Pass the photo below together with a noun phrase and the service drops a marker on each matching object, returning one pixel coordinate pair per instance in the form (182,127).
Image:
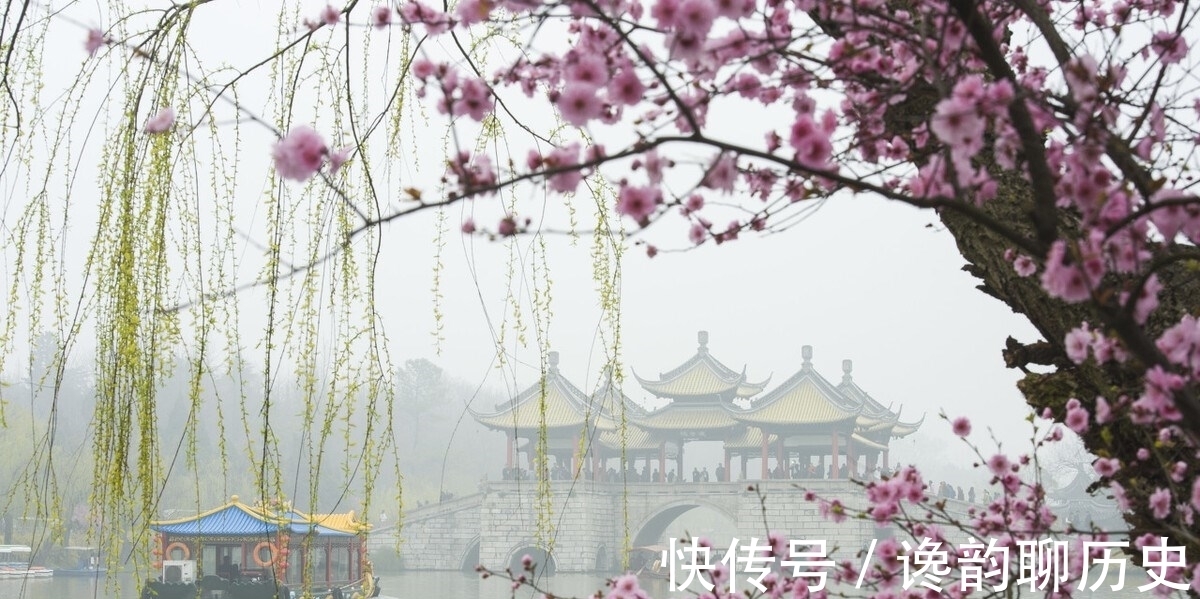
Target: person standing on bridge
(720,473)
(695,474)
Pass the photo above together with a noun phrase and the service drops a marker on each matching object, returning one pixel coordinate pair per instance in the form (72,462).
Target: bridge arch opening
(471,557)
(684,520)
(542,560)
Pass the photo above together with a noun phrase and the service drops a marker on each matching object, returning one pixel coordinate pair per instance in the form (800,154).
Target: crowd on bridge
(797,471)
(651,474)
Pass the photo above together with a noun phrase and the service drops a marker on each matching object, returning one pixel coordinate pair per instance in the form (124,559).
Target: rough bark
(1059,379)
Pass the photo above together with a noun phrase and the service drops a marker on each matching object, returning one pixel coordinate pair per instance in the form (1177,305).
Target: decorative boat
(266,551)
(15,563)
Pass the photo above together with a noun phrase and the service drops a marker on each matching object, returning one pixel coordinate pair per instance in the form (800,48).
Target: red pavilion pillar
(508,435)
(781,460)
(728,474)
(662,462)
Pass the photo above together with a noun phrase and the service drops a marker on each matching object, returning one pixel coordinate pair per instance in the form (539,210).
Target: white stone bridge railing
(589,527)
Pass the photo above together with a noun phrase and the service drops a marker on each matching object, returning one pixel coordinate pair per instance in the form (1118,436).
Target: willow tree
(1054,141)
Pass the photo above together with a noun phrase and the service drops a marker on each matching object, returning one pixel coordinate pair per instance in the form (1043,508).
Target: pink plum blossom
(1160,502)
(95,40)
(999,464)
(637,203)
(578,103)
(1169,46)
(507,227)
(330,15)
(1103,411)
(161,122)
(1077,419)
(1024,265)
(958,124)
(1078,343)
(962,426)
(722,174)
(625,87)
(1062,279)
(1107,466)
(300,154)
(338,159)
(473,11)
(435,21)
(695,17)
(381,16)
(626,587)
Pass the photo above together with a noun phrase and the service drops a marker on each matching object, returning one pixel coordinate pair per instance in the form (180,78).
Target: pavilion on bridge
(806,427)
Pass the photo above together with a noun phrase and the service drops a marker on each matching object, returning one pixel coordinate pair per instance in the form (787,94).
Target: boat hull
(218,588)
(81,573)
(215,589)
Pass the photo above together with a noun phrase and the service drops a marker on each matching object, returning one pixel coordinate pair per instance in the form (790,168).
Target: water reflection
(404,585)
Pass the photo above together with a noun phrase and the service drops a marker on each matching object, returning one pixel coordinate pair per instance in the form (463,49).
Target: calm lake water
(402,586)
(411,585)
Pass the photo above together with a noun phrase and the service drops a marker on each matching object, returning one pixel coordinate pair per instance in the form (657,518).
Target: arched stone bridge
(497,526)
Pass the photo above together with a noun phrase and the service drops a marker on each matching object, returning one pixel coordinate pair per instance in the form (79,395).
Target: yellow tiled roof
(751,438)
(747,389)
(565,407)
(685,417)
(861,440)
(635,439)
(804,399)
(903,429)
(702,375)
(696,381)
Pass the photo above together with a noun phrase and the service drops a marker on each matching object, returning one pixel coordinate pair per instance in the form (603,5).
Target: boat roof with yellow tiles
(235,518)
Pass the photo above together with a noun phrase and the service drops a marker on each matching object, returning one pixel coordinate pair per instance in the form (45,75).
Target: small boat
(648,561)
(264,551)
(15,564)
(85,562)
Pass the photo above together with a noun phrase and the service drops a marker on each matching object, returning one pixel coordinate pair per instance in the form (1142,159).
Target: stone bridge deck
(590,521)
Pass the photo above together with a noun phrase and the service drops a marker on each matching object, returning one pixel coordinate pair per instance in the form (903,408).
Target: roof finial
(806,353)
(553,357)
(847,366)
(702,337)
